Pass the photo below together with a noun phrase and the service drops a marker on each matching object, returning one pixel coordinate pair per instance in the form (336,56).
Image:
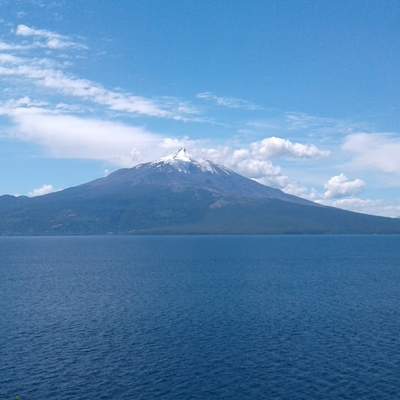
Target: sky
(298,95)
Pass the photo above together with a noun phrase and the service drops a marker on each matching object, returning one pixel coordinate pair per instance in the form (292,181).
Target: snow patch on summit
(180,155)
(183,162)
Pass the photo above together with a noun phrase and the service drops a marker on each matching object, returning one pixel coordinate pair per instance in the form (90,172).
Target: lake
(200,317)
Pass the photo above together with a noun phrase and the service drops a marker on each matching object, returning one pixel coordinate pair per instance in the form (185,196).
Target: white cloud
(4,46)
(229,102)
(379,207)
(25,101)
(261,170)
(340,186)
(266,149)
(68,136)
(49,44)
(274,146)
(53,40)
(9,58)
(299,190)
(374,151)
(23,30)
(254,160)
(42,190)
(245,163)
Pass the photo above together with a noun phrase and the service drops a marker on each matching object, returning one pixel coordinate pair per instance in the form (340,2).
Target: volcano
(178,195)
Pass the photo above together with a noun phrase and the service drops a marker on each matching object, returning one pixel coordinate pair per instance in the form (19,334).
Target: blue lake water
(212,317)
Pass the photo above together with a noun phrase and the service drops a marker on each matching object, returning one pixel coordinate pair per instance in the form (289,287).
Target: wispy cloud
(36,72)
(48,45)
(376,151)
(40,39)
(380,207)
(4,46)
(317,128)
(51,75)
(52,40)
(229,102)
(300,120)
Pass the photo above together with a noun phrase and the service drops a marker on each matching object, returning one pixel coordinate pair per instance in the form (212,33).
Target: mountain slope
(178,195)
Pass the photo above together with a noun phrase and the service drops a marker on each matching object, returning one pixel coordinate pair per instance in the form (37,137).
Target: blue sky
(300,95)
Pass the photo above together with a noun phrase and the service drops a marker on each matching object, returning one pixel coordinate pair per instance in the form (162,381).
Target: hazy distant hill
(178,195)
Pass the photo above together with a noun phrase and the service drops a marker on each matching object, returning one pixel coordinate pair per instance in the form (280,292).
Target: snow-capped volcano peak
(180,155)
(182,161)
